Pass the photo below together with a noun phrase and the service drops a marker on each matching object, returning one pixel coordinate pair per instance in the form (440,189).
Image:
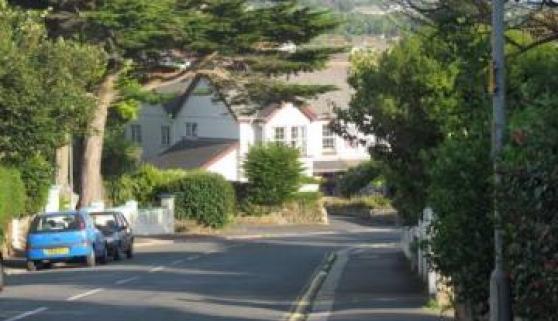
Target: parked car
(64,237)
(1,271)
(117,232)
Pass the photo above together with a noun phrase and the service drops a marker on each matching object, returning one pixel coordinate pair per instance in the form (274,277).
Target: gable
(201,101)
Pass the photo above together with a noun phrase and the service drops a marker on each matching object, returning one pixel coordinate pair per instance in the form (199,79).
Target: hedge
(206,197)
(12,195)
(143,185)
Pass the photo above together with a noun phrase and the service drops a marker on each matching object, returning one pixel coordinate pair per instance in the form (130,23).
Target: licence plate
(57,251)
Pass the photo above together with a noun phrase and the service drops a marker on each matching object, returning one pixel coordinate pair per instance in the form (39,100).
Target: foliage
(274,173)
(45,88)
(460,193)
(12,196)
(37,174)
(426,99)
(120,155)
(396,96)
(206,197)
(143,185)
(361,202)
(218,36)
(357,178)
(529,195)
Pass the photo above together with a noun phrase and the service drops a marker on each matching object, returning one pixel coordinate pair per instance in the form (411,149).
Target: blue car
(64,237)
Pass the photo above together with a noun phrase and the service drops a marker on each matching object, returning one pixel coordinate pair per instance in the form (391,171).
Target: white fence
(412,243)
(152,221)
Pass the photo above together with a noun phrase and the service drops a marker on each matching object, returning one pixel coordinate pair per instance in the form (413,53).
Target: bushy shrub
(206,197)
(274,173)
(460,194)
(529,199)
(357,178)
(12,196)
(37,175)
(142,185)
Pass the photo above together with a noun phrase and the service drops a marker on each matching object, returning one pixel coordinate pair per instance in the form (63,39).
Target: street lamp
(500,293)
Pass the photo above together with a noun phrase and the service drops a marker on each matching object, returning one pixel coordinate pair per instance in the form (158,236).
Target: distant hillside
(379,18)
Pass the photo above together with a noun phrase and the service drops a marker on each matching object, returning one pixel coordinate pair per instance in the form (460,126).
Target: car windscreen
(57,223)
(104,221)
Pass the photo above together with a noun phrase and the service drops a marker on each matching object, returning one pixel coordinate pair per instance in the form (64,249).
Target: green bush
(358,178)
(529,198)
(37,175)
(12,196)
(274,173)
(206,197)
(142,185)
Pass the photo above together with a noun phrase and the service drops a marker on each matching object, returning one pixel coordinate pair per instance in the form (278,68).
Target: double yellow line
(304,302)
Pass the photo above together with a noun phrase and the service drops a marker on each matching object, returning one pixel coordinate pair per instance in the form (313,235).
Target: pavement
(257,275)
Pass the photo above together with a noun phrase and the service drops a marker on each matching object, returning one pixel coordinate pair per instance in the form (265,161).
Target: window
(298,139)
(136,133)
(279,134)
(191,130)
(328,139)
(165,135)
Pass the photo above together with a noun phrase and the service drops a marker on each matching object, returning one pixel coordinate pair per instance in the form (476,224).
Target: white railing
(414,245)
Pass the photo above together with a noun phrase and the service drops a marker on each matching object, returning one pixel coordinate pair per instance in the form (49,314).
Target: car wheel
(1,275)
(32,266)
(130,252)
(90,259)
(117,255)
(103,259)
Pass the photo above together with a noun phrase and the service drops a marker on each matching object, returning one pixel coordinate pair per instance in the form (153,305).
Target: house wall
(345,150)
(151,119)
(226,165)
(290,116)
(212,116)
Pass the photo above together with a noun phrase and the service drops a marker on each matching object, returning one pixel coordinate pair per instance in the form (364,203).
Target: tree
(45,88)
(274,173)
(231,41)
(396,95)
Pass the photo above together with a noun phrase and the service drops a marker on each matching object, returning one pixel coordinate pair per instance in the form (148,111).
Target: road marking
(156,269)
(28,314)
(128,280)
(85,294)
(177,262)
(191,258)
(324,299)
(303,304)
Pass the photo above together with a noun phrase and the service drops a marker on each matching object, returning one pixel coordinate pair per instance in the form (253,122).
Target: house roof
(336,73)
(335,166)
(194,153)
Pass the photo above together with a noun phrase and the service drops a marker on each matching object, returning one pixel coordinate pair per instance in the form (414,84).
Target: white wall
(227,166)
(151,119)
(344,149)
(213,117)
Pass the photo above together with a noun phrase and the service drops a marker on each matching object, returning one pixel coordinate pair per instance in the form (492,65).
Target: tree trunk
(91,181)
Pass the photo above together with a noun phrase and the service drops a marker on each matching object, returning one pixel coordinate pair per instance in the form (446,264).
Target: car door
(95,236)
(125,230)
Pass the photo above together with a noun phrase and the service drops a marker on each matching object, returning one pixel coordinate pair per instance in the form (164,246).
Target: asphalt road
(245,278)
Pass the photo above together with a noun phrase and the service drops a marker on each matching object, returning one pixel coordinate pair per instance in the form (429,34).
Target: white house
(201,129)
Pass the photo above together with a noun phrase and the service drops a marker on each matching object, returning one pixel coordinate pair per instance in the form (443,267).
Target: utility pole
(500,293)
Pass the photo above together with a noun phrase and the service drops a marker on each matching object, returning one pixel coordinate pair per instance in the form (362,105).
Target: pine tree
(234,42)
